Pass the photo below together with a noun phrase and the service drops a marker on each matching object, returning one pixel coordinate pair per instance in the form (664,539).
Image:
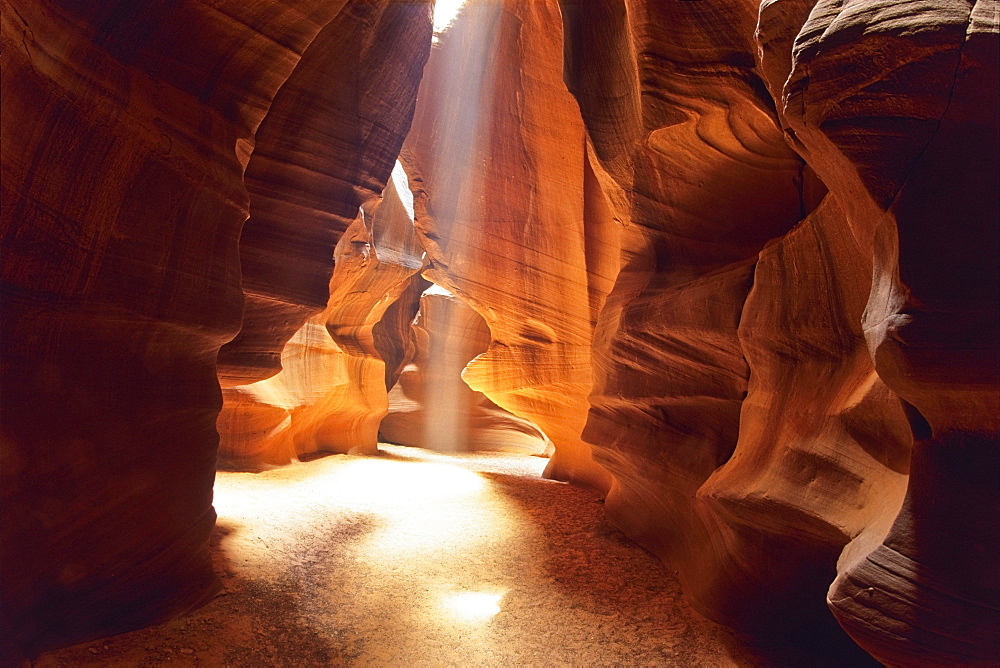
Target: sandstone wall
(738,261)
(326,147)
(747,395)
(498,147)
(127,128)
(896,106)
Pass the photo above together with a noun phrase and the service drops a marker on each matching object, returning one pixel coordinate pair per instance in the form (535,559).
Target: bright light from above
(473,606)
(444,13)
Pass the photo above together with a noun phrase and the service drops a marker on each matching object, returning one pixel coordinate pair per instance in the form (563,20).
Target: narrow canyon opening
(500,332)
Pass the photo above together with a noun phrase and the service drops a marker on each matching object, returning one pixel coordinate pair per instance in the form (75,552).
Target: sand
(417,558)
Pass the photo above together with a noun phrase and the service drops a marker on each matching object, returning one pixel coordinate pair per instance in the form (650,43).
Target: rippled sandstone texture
(907,139)
(737,260)
(127,127)
(747,377)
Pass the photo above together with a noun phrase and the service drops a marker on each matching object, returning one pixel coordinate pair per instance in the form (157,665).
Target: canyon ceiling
(733,264)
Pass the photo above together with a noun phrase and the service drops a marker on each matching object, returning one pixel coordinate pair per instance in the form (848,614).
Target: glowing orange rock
(432,407)
(331,395)
(498,146)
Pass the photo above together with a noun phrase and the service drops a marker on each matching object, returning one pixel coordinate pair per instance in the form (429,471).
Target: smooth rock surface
(326,148)
(331,394)
(431,406)
(738,260)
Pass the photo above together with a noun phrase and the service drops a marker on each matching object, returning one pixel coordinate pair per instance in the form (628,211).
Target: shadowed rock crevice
(731,266)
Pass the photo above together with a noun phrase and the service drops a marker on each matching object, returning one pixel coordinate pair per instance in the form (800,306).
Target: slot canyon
(685,312)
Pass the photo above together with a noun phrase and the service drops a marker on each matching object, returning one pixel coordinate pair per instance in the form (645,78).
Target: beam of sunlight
(464,73)
(447,399)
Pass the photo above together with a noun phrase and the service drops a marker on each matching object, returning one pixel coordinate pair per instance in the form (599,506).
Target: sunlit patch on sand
(473,606)
(381,482)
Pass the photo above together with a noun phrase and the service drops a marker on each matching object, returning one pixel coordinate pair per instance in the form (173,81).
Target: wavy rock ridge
(737,261)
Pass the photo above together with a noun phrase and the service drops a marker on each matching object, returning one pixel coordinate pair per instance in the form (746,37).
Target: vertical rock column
(126,130)
(498,146)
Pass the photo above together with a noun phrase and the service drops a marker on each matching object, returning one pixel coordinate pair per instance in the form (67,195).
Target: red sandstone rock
(331,394)
(691,158)
(498,147)
(746,238)
(432,407)
(897,111)
(127,127)
(325,148)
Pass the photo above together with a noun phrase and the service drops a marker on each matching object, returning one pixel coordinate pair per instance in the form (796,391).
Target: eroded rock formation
(331,393)
(906,137)
(431,406)
(737,260)
(325,148)
(127,127)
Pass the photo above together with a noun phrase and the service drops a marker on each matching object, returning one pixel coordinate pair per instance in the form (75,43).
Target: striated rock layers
(748,373)
(896,106)
(127,127)
(331,393)
(738,260)
(326,147)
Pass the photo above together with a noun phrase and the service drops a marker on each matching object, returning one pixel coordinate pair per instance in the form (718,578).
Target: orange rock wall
(738,260)
(747,394)
(326,147)
(898,111)
(331,394)
(127,127)
(498,147)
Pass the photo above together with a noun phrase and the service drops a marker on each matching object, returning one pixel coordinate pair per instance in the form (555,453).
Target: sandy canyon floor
(417,558)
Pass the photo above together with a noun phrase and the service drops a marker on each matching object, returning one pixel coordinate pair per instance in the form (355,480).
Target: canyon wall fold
(756,400)
(127,128)
(737,260)
(326,147)
(896,106)
(330,395)
(497,146)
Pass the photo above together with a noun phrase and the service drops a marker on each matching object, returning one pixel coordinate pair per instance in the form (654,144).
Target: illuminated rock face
(753,441)
(738,262)
(498,147)
(127,127)
(432,407)
(331,393)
